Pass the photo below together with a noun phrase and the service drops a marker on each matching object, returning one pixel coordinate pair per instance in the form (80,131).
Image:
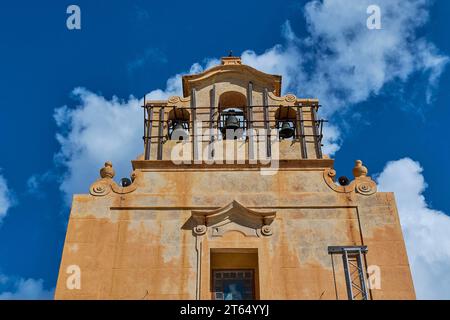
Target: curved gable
(230,66)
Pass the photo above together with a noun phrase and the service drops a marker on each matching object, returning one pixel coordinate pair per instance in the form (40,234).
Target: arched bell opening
(285,118)
(232,120)
(178,124)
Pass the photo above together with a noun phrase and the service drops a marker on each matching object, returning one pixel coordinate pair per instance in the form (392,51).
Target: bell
(179,132)
(344,181)
(232,123)
(286,130)
(125,182)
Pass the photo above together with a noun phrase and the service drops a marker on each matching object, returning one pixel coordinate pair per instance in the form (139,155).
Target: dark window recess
(234,284)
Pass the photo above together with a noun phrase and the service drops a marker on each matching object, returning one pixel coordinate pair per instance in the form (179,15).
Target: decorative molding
(123,190)
(174,100)
(290,98)
(200,230)
(274,80)
(362,184)
(107,171)
(103,187)
(100,188)
(233,217)
(178,101)
(366,186)
(287,100)
(359,170)
(106,184)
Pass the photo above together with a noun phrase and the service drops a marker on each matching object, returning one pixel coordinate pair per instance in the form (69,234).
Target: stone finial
(107,171)
(359,170)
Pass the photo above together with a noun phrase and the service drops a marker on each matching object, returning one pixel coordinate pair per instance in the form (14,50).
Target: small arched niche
(232,100)
(178,124)
(232,120)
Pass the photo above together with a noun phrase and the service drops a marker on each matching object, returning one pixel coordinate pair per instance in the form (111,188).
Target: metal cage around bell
(178,130)
(178,124)
(286,129)
(232,121)
(286,118)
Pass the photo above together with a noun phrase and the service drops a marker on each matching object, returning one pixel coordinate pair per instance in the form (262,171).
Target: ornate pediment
(233,217)
(234,66)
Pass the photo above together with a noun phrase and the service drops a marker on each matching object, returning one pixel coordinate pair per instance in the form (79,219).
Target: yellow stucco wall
(141,245)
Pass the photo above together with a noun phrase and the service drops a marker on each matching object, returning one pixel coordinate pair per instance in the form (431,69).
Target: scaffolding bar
(148,126)
(160,133)
(361,276)
(301,132)
(194,123)
(251,152)
(267,122)
(212,111)
(317,138)
(348,278)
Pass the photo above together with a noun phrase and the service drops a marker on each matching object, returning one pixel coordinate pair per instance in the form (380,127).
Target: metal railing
(215,123)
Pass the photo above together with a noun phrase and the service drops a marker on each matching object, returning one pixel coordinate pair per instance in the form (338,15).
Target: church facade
(233,199)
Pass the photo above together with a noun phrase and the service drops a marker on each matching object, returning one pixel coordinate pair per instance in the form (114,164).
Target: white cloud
(426,230)
(25,289)
(331,139)
(284,61)
(354,62)
(98,129)
(35,183)
(95,131)
(343,63)
(6,200)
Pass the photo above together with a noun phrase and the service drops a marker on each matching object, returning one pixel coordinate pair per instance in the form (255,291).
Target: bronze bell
(232,123)
(286,131)
(179,131)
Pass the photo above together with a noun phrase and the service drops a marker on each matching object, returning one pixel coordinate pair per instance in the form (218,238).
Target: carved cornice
(284,164)
(233,217)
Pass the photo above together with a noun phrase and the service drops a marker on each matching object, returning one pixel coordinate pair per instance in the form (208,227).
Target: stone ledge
(319,164)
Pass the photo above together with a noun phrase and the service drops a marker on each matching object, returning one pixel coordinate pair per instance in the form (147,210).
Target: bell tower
(233,199)
(233,102)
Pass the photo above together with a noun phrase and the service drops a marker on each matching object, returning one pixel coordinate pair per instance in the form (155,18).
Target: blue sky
(130,48)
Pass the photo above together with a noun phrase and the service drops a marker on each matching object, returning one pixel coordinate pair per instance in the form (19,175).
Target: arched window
(178,124)
(232,120)
(285,122)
